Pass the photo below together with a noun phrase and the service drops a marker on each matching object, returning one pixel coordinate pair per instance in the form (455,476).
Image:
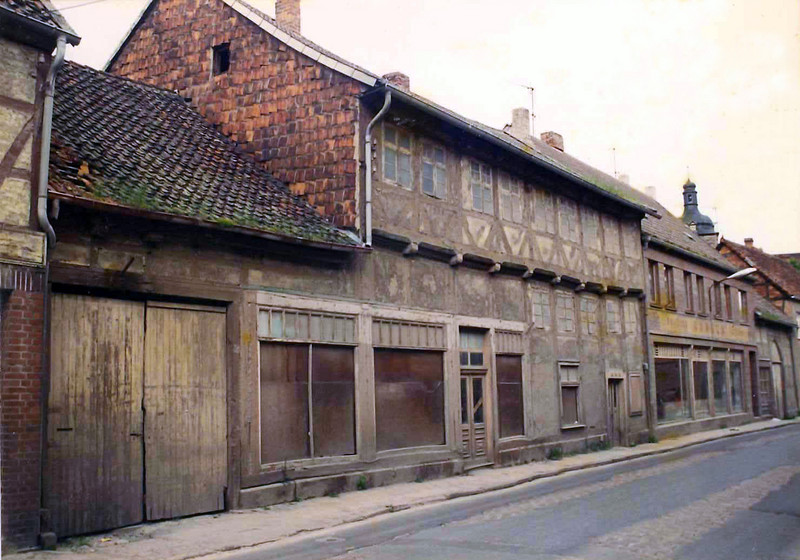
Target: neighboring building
(777,279)
(29,32)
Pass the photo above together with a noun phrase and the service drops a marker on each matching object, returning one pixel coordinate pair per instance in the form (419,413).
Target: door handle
(136,434)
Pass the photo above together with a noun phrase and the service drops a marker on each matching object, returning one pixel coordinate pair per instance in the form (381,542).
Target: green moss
(795,263)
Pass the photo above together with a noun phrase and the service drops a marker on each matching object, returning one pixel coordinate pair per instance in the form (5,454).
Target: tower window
(221,58)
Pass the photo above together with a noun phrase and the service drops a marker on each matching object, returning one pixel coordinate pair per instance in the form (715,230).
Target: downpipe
(368,197)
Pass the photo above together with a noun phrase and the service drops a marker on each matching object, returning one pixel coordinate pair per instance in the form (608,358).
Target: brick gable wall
(21,364)
(296,117)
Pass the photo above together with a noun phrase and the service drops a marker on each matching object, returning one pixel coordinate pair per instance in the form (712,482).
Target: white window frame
(480,187)
(511,198)
(542,310)
(565,314)
(438,169)
(394,149)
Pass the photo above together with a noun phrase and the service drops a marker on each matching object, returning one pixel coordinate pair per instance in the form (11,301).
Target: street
(732,498)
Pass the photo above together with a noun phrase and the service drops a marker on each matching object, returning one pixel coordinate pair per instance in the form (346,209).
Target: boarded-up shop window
(290,428)
(672,383)
(570,395)
(409,398)
(636,391)
(509,394)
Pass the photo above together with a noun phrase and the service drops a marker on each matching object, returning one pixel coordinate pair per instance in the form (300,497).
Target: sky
(659,90)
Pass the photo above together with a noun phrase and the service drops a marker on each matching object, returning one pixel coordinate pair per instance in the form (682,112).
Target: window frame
(565,296)
(506,186)
(220,56)
(669,287)
(544,304)
(574,383)
(702,306)
(589,316)
(465,332)
(654,282)
(440,191)
(613,326)
(688,286)
(729,305)
(743,307)
(486,187)
(395,146)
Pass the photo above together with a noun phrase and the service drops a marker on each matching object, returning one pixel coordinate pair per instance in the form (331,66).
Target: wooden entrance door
(473,417)
(765,399)
(94,477)
(184,402)
(615,412)
(136,413)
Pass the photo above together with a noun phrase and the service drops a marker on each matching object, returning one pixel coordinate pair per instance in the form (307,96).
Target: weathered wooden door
(473,417)
(136,413)
(615,412)
(765,397)
(184,402)
(93,477)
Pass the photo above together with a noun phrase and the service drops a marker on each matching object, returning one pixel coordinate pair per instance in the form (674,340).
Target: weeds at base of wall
(555,454)
(652,439)
(361,483)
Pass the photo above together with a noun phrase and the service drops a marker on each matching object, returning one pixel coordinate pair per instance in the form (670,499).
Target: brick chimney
(748,242)
(554,140)
(398,79)
(521,123)
(287,14)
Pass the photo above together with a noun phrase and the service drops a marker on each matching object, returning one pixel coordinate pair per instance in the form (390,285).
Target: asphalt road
(728,499)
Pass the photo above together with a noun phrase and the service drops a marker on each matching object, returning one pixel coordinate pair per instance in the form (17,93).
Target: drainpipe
(47,129)
(649,372)
(368,226)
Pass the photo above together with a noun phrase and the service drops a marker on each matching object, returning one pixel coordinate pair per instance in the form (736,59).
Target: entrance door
(765,399)
(473,417)
(615,412)
(136,413)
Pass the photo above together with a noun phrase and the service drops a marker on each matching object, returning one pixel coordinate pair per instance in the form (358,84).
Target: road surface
(728,499)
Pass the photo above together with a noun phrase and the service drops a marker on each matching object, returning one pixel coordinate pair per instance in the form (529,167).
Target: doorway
(473,417)
(136,413)
(616,407)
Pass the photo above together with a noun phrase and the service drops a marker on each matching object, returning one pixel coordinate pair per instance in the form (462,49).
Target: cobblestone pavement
(245,530)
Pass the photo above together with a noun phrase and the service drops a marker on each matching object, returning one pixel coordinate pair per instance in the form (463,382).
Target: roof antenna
(533,115)
(614,157)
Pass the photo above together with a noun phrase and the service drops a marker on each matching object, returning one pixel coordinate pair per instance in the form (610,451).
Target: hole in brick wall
(222,58)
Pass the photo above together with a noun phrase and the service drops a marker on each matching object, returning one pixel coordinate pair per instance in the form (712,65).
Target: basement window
(221,58)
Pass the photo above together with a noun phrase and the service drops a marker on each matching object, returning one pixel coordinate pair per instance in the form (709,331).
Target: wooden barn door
(94,473)
(185,410)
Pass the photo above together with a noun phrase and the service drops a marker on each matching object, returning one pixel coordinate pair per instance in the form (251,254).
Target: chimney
(521,123)
(748,242)
(650,191)
(287,14)
(554,140)
(398,79)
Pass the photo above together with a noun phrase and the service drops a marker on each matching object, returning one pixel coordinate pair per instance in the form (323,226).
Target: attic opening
(221,59)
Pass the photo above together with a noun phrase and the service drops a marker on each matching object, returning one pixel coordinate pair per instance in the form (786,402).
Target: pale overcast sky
(708,86)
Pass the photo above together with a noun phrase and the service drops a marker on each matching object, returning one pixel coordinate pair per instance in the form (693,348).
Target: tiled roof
(136,146)
(38,10)
(777,270)
(765,311)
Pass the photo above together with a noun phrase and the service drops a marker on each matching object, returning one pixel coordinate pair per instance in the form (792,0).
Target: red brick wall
(295,116)
(21,362)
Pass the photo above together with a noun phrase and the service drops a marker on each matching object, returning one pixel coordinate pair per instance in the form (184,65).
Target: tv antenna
(531,89)
(614,159)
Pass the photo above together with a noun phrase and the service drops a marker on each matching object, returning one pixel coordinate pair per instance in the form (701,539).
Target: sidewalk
(202,535)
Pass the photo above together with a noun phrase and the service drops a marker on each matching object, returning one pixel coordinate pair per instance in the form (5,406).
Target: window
(611,235)
(397,156)
(717,297)
(481,186)
(434,171)
(672,389)
(511,200)
(631,317)
(735,374)
(743,312)
(728,303)
(591,228)
(409,398)
(718,369)
(509,395)
(613,321)
(570,395)
(541,309)
(701,296)
(307,401)
(701,402)
(568,220)
(220,59)
(688,287)
(669,286)
(545,214)
(653,283)
(565,313)
(588,315)
(471,344)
